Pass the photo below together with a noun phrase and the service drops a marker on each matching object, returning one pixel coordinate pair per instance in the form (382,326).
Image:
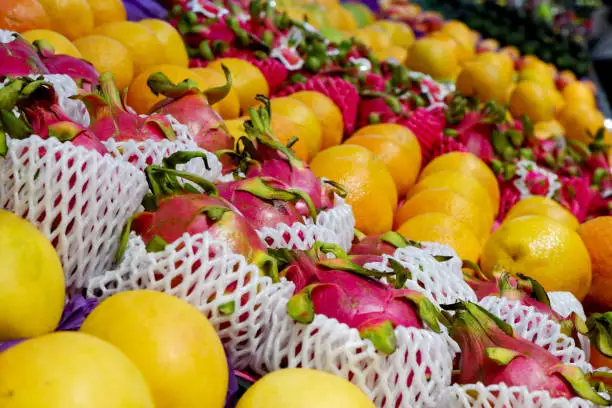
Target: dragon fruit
(384,244)
(18,57)
(173,208)
(267,202)
(83,72)
(193,108)
(41,114)
(491,353)
(111,119)
(273,159)
(341,289)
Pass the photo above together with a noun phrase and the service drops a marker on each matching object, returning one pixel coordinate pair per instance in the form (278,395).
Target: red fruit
(83,72)
(192,107)
(111,119)
(272,69)
(343,93)
(19,58)
(340,289)
(427,125)
(445,145)
(386,243)
(491,353)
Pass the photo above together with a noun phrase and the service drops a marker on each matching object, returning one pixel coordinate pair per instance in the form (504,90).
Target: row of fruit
(252,168)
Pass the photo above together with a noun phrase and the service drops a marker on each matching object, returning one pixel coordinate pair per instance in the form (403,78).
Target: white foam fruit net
(148,152)
(413,375)
(443,280)
(335,226)
(78,198)
(65,87)
(204,272)
(501,396)
(537,328)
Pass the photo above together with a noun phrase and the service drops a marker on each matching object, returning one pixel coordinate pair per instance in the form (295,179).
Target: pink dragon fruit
(427,126)
(111,119)
(273,159)
(19,58)
(491,353)
(192,107)
(83,72)
(41,115)
(342,290)
(384,244)
(266,201)
(173,208)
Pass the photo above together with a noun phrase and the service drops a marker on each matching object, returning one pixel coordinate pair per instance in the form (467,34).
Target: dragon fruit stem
(184,157)
(123,239)
(161,185)
(216,94)
(382,336)
(267,264)
(338,188)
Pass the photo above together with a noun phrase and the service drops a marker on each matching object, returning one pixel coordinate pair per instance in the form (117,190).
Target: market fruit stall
(262,204)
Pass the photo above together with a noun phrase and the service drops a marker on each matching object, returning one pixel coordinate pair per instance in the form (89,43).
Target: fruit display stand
(283,204)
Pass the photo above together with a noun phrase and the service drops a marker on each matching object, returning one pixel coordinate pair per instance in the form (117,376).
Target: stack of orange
(454,203)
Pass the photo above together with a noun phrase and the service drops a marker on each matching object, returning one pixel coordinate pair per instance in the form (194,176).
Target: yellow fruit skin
(107,11)
(595,234)
(70,370)
(443,200)
(247,80)
(443,229)
(538,205)
(486,82)
(328,113)
(72,18)
(579,92)
(303,388)
(141,41)
(542,249)
(31,281)
(228,107)
(533,100)
(60,43)
(174,48)
(367,182)
(304,117)
(171,342)
(433,57)
(468,164)
(108,54)
(461,183)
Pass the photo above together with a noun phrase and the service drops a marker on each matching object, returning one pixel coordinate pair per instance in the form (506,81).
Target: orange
(546,207)
(247,79)
(547,130)
(228,107)
(66,370)
(400,33)
(108,54)
(469,164)
(72,18)
(462,35)
(485,81)
(578,121)
(23,15)
(539,77)
(172,43)
(497,58)
(398,54)
(531,99)
(141,41)
(171,342)
(373,37)
(61,44)
(367,181)
(595,234)
(578,92)
(543,249)
(450,42)
(142,99)
(340,18)
(285,129)
(461,183)
(303,117)
(328,113)
(597,359)
(433,57)
(107,11)
(399,160)
(556,98)
(446,201)
(443,229)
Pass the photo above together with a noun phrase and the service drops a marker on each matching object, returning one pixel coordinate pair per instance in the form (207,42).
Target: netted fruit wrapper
(335,225)
(537,328)
(78,198)
(145,153)
(204,272)
(501,396)
(413,375)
